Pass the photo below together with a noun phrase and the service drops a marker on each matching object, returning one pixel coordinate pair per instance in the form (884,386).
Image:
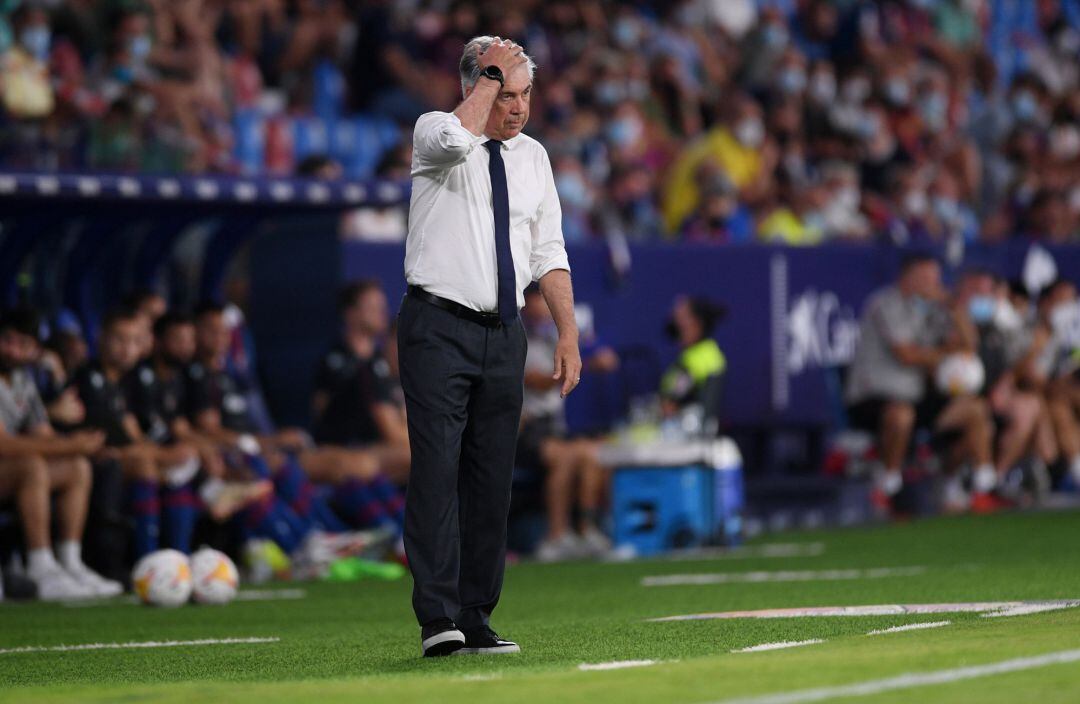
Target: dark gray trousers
(463,390)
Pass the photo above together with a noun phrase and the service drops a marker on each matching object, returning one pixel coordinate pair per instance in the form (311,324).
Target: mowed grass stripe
(346,642)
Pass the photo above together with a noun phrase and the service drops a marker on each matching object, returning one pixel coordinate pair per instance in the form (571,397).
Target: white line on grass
(876,610)
(481,676)
(768,550)
(137,644)
(910,680)
(616,665)
(778,646)
(672,580)
(910,627)
(1025,609)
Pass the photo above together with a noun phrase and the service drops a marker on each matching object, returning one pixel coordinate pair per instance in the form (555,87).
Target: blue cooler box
(659,508)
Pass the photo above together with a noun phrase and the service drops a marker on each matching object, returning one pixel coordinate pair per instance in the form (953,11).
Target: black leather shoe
(441,637)
(484,641)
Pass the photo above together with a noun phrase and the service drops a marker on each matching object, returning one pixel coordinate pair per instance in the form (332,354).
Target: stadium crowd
(796,121)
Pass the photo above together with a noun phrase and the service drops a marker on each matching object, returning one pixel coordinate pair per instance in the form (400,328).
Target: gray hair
(469,67)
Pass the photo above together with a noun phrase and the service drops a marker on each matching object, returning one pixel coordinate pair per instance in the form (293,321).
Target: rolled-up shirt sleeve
(439,140)
(548,247)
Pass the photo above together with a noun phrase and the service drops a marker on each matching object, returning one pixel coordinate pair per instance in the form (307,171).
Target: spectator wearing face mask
(577,197)
(907,329)
(720,217)
(795,218)
(740,150)
(630,208)
(1021,418)
(700,362)
(24,77)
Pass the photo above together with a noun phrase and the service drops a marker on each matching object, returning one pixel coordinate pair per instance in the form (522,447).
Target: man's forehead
(518,80)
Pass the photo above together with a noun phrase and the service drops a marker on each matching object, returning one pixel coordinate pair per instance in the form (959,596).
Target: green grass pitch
(359,643)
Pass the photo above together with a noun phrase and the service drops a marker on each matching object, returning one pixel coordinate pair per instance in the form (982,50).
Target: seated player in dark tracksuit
(354,407)
(150,469)
(156,392)
(221,406)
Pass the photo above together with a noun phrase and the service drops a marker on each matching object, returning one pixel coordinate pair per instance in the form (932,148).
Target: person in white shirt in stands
(484,222)
(35,462)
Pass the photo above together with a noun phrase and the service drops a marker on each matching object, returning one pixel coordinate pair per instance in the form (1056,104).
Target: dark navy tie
(500,204)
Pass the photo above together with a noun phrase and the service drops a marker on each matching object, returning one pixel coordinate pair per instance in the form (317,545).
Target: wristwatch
(494,73)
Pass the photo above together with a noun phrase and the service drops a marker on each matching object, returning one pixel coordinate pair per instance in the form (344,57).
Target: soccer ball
(214,576)
(163,578)
(960,374)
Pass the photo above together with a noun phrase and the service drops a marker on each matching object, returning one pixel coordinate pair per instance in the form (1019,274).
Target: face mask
(897,91)
(921,304)
(1006,317)
(626,33)
(848,198)
(792,81)
(36,40)
(609,92)
(624,131)
(869,125)
(947,209)
(933,109)
(1025,107)
(823,87)
(572,190)
(915,203)
(1064,319)
(775,36)
(750,133)
(139,48)
(815,220)
(982,309)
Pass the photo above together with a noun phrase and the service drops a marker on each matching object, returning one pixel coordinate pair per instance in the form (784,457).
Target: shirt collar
(510,143)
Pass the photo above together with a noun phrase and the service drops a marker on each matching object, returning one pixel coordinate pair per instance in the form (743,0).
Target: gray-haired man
(484,221)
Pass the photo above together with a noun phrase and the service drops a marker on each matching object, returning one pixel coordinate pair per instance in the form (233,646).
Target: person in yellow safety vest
(691,324)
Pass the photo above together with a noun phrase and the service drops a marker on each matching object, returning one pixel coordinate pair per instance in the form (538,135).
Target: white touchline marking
(910,627)
(778,646)
(1032,608)
(768,550)
(910,680)
(137,644)
(672,580)
(481,676)
(875,610)
(617,665)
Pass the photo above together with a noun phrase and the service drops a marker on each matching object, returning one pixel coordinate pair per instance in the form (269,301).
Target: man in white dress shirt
(484,222)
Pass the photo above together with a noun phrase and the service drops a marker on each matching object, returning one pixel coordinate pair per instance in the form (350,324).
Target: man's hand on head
(502,54)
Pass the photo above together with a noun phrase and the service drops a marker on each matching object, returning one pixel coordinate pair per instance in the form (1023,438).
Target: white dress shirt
(450,249)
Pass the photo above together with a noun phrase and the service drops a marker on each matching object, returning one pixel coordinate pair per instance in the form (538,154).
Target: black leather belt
(488,320)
